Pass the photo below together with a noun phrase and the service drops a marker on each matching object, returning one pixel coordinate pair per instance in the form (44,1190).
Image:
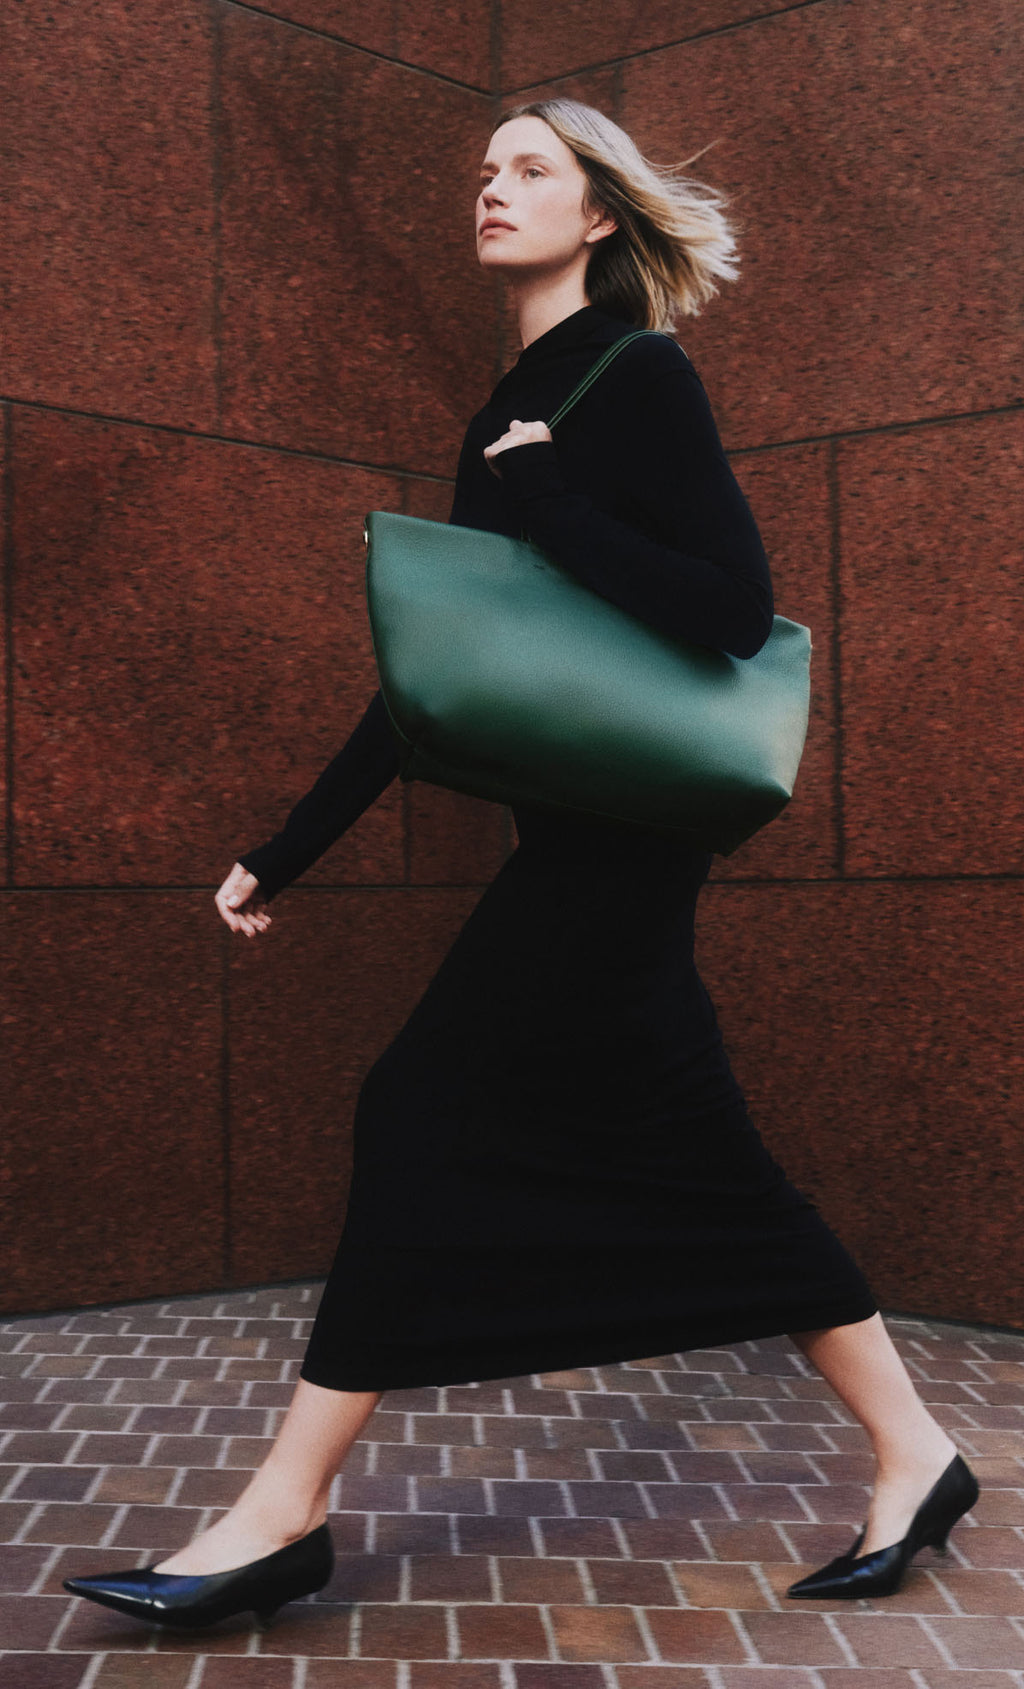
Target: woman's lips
(496,229)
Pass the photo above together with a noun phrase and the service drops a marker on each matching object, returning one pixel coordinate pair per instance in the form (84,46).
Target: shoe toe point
(80,1586)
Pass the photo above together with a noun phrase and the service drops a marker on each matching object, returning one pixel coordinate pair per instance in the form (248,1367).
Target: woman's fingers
(234,893)
(240,903)
(518,434)
(249,924)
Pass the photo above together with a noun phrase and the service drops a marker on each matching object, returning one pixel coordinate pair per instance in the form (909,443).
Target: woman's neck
(540,304)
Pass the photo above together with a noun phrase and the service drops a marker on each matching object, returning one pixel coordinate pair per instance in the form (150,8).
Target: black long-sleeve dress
(553,1165)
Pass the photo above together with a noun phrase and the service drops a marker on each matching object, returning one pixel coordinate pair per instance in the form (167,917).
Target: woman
(580,1180)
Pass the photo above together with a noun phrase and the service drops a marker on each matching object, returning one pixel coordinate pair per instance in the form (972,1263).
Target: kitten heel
(850,1576)
(188,1602)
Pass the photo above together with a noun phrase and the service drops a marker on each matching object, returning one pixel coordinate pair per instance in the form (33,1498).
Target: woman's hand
(241,903)
(519,433)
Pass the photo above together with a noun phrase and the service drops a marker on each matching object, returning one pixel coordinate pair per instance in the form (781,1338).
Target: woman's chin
(491,260)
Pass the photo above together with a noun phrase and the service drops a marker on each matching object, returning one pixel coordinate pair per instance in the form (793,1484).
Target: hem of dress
(381,1367)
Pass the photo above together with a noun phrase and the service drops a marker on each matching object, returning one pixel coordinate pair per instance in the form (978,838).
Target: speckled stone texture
(598,87)
(244,210)
(872,169)
(107,279)
(540,41)
(192,648)
(453,38)
(933,648)
(5,418)
(112,1144)
(875,1031)
(352,303)
(310,1008)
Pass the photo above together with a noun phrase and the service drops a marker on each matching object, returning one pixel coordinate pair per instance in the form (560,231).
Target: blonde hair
(672,244)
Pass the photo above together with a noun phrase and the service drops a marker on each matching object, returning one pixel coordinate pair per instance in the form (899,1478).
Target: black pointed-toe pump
(850,1577)
(188,1602)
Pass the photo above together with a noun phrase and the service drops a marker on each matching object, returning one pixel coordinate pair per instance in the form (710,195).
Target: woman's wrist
(532,470)
(260,864)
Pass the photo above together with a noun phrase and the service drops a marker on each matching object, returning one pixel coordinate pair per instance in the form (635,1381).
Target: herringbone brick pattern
(618,1527)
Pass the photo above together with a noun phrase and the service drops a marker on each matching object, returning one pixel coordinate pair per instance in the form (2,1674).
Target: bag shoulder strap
(599,367)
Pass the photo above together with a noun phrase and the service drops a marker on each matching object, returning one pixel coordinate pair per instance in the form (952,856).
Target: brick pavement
(619,1527)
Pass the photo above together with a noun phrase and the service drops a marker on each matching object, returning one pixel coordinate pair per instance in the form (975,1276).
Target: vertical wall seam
(8,614)
(225,1103)
(496,49)
(217,184)
(839,767)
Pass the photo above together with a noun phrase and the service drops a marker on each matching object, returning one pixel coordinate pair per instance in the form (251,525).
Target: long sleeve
(717,591)
(681,552)
(362,769)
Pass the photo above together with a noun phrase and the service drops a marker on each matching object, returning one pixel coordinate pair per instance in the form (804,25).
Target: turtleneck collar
(569,332)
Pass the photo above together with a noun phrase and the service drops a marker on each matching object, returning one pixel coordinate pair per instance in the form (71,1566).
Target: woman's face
(529,214)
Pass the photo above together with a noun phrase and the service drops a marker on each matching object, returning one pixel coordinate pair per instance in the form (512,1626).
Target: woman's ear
(603,227)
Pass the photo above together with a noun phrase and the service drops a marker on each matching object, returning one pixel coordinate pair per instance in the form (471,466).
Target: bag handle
(591,376)
(597,369)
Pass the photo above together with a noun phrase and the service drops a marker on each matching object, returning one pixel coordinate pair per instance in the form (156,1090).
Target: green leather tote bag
(505,678)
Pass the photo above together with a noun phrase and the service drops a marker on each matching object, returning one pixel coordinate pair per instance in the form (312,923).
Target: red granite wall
(243,310)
